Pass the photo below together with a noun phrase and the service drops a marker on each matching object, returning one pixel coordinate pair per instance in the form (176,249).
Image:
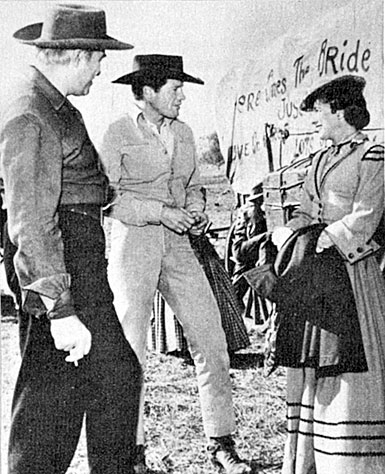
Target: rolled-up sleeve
(31,166)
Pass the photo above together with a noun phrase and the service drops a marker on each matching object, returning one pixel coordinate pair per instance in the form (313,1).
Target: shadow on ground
(247,360)
(239,361)
(259,468)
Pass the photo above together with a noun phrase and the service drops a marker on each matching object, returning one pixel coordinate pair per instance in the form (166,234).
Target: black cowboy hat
(145,64)
(71,27)
(347,86)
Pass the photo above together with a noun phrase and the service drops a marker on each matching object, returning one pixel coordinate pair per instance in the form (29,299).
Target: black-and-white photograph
(192,237)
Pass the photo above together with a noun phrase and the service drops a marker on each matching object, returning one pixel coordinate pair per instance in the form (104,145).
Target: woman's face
(327,122)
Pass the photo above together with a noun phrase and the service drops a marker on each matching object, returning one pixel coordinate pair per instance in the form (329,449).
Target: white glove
(280,235)
(324,242)
(71,335)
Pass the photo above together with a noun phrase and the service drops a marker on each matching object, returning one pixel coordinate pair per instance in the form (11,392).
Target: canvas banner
(259,121)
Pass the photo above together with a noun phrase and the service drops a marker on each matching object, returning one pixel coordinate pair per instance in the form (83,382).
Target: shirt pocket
(143,162)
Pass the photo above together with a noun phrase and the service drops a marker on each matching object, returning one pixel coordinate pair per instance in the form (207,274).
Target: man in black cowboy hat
(54,190)
(151,162)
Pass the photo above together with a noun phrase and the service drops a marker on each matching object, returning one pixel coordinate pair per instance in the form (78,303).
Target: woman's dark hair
(154,79)
(353,105)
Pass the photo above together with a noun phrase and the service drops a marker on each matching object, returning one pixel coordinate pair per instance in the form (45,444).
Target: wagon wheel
(256,308)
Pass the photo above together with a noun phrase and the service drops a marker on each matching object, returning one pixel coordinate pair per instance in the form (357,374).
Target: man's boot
(222,453)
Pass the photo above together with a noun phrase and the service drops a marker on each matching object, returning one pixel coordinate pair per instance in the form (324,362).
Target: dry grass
(175,436)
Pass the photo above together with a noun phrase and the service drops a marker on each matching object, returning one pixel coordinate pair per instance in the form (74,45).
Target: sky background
(213,36)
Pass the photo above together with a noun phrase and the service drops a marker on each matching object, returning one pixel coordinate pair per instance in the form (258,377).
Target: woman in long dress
(336,424)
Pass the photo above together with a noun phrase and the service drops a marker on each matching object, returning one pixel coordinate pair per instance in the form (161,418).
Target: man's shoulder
(181,128)
(120,125)
(21,97)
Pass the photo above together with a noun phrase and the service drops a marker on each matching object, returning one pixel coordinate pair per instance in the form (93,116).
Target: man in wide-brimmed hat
(54,190)
(248,234)
(151,161)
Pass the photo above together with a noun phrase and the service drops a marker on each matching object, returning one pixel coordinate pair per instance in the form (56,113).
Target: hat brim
(255,197)
(31,35)
(356,82)
(170,73)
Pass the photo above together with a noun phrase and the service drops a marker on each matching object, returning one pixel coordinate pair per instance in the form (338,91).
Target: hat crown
(158,61)
(71,27)
(147,65)
(74,21)
(349,87)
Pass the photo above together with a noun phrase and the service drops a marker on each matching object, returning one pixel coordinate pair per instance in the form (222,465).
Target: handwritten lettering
(255,143)
(300,71)
(248,102)
(304,145)
(288,109)
(274,88)
(250,147)
(334,59)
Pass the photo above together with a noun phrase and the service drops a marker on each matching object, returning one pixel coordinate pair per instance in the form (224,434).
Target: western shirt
(145,175)
(47,160)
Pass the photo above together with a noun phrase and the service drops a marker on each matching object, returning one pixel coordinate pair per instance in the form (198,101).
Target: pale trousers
(143,259)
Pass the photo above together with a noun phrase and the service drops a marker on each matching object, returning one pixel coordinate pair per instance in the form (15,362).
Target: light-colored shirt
(149,169)
(164,133)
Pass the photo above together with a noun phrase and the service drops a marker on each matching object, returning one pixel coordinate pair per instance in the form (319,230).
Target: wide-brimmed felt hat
(256,193)
(150,64)
(349,86)
(71,27)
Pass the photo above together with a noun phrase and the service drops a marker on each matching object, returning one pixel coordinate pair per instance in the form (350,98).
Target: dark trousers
(52,396)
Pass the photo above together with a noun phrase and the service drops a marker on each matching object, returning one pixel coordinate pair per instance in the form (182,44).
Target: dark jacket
(318,323)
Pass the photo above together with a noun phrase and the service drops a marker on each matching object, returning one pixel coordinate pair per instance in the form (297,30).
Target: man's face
(167,101)
(328,123)
(85,71)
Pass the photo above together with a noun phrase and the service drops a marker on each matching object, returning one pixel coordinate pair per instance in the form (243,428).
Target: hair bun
(357,116)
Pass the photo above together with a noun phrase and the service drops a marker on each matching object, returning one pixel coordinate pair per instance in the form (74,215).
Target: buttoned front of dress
(345,190)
